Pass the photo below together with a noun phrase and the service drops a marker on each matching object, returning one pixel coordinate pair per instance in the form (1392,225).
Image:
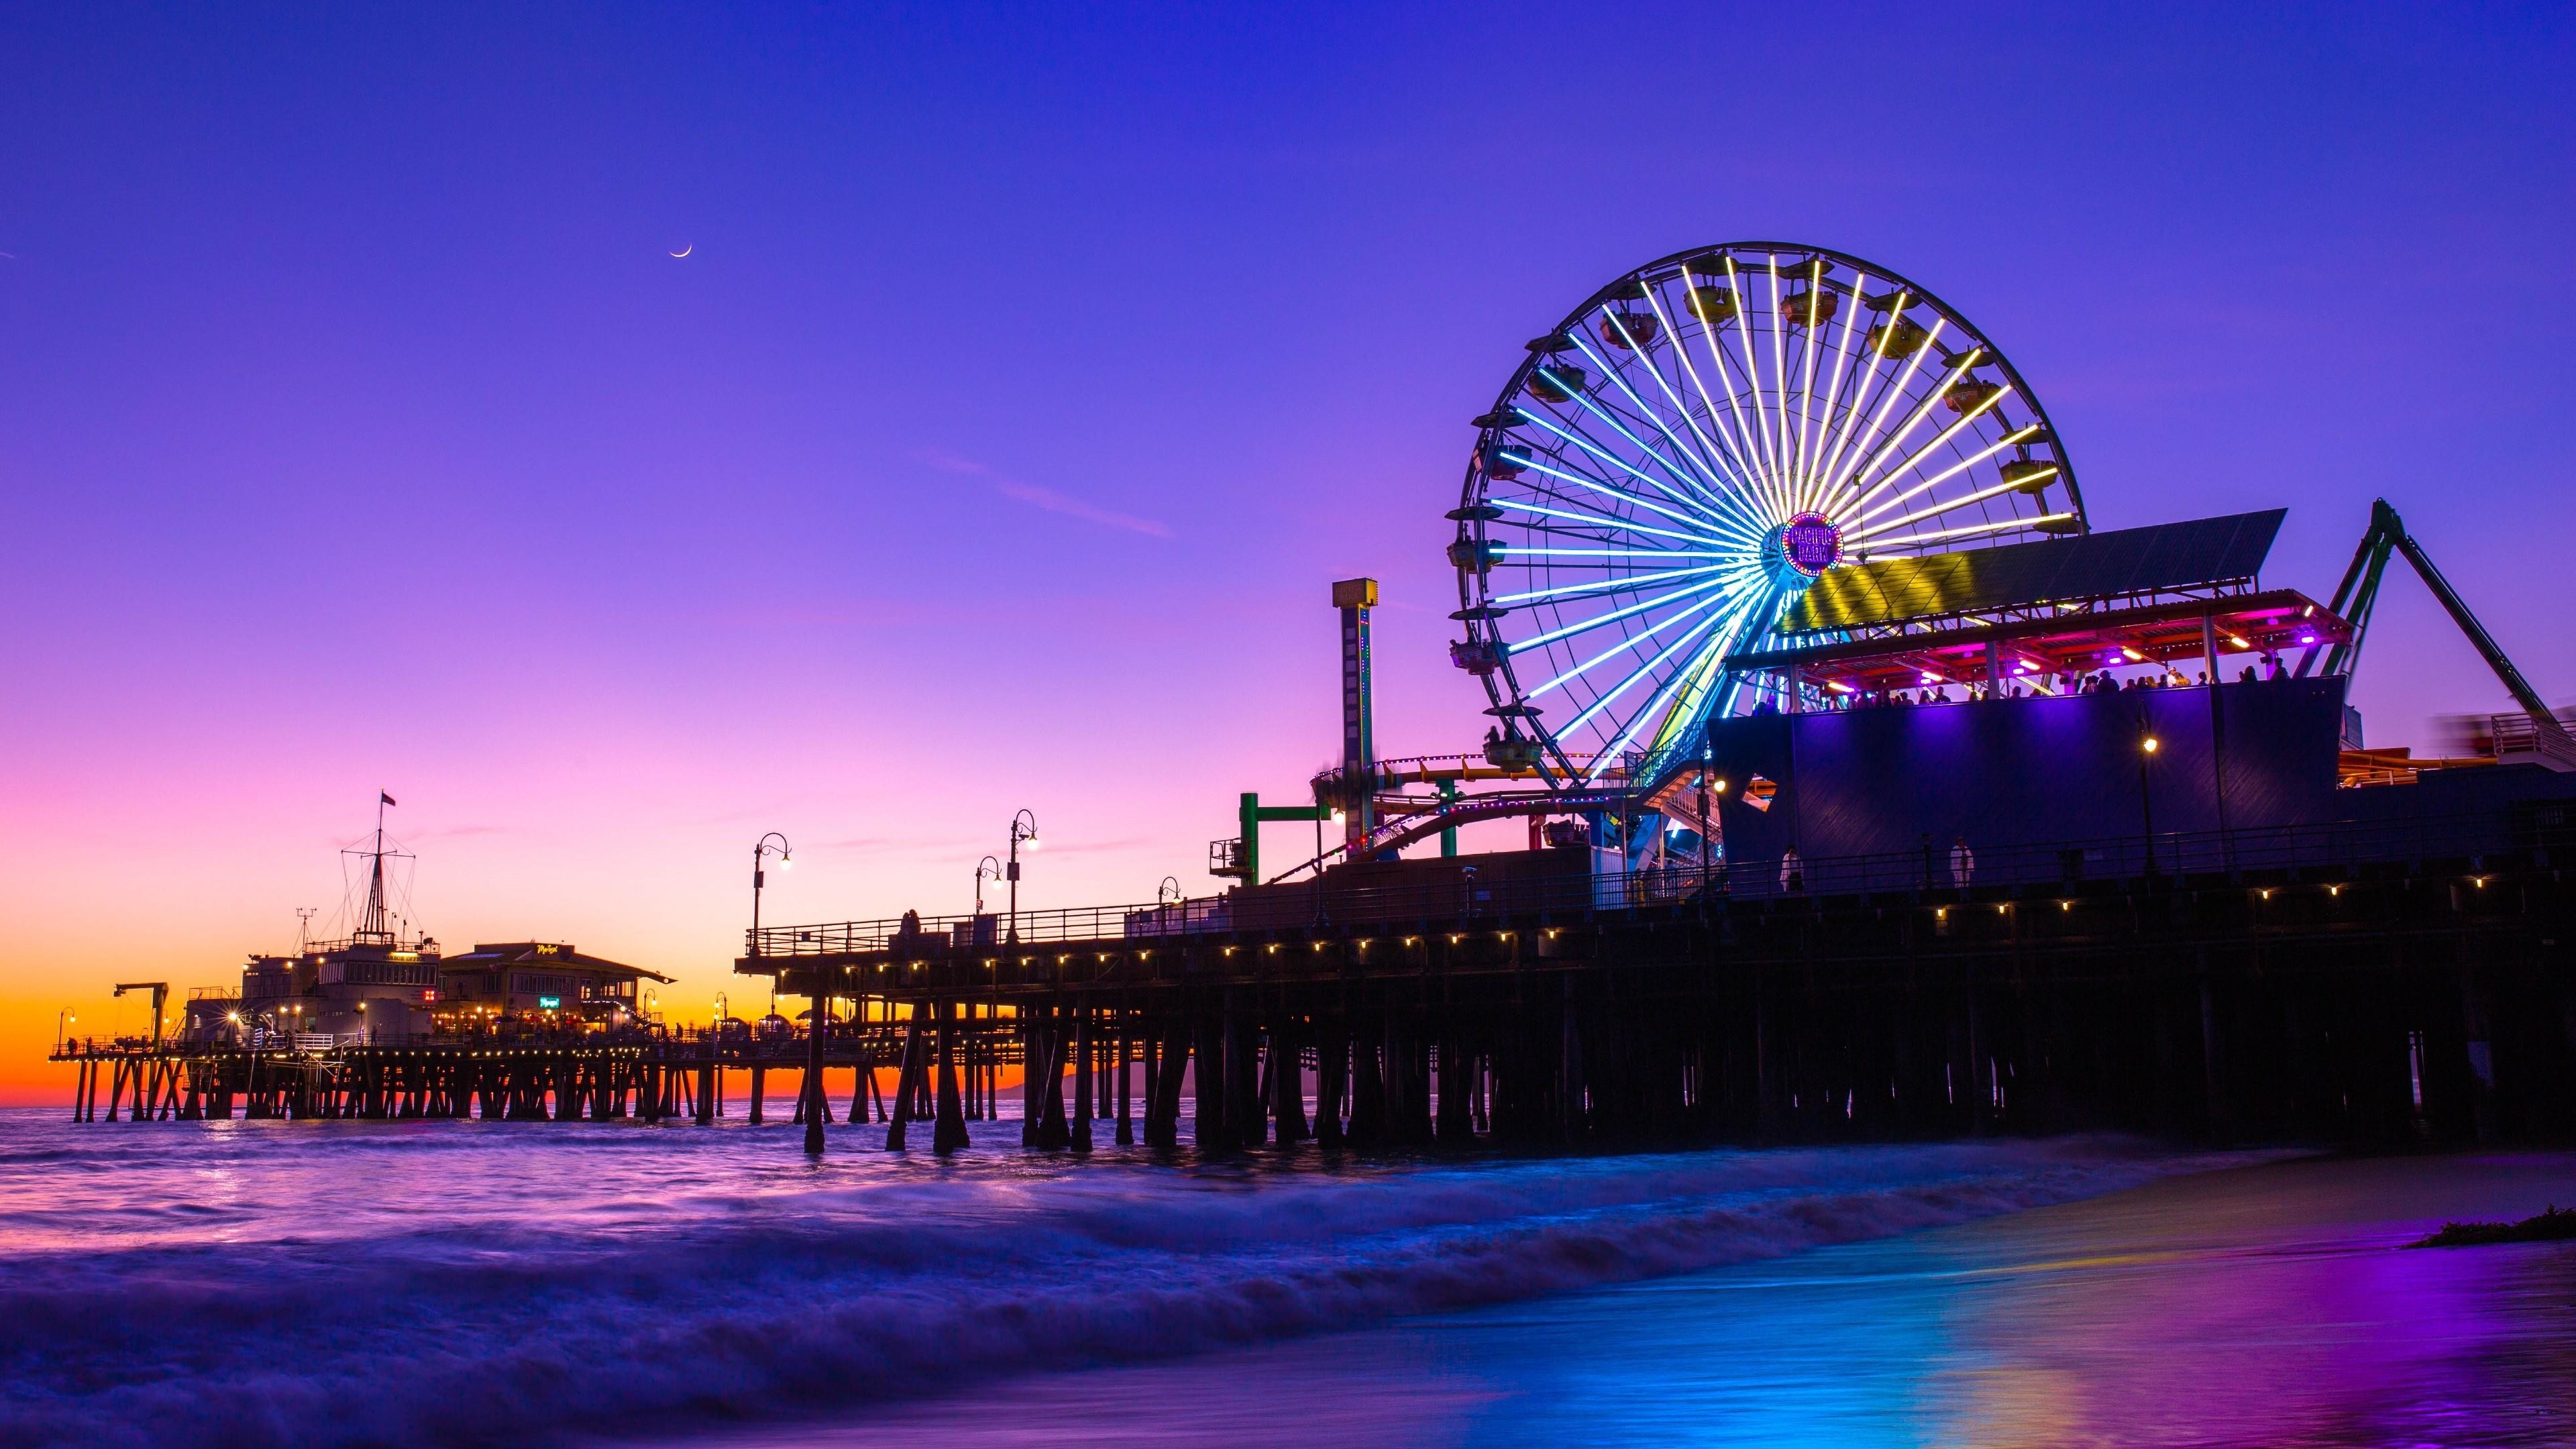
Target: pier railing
(736,1042)
(2344,849)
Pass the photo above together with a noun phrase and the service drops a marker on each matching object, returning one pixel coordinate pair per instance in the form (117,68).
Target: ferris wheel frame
(1770,530)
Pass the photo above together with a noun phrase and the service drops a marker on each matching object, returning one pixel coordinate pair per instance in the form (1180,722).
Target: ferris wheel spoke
(1618,526)
(1748,441)
(1581,438)
(1611,588)
(1728,481)
(1913,420)
(1624,465)
(1627,644)
(1812,493)
(1913,461)
(1753,388)
(1705,670)
(1656,703)
(1597,449)
(1612,695)
(1858,442)
(1973,530)
(1807,378)
(1624,496)
(1733,447)
(1514,551)
(1771,492)
(1886,401)
(1542,488)
(1629,611)
(1780,383)
(1935,511)
(1646,414)
(1970,461)
(1580,535)
(1645,410)
(1874,371)
(1775,494)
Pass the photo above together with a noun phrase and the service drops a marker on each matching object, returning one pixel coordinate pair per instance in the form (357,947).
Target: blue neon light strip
(1630,642)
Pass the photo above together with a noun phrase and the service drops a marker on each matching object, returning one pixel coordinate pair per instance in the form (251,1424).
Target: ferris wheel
(1684,455)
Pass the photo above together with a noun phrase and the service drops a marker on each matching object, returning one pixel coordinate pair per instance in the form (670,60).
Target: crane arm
(2514,684)
(2358,594)
(160,998)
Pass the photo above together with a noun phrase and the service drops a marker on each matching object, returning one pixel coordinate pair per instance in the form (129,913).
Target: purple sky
(1031,375)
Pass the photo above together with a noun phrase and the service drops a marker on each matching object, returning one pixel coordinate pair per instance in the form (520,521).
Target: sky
(1030,374)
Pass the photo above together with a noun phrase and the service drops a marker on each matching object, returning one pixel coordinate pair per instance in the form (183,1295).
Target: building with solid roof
(540,981)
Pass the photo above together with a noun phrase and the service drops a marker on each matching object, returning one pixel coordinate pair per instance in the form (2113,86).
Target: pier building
(546,981)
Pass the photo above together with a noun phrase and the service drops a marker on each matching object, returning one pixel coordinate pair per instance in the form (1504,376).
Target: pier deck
(2366,983)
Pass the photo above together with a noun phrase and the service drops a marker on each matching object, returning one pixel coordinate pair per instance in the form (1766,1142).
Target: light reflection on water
(2261,1306)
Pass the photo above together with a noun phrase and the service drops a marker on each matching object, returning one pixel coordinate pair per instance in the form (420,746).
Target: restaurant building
(540,981)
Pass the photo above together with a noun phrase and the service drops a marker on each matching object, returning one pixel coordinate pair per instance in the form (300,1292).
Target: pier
(2341,984)
(2371,985)
(1842,827)
(635,1073)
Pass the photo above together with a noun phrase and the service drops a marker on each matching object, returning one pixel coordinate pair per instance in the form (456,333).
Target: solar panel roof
(2121,561)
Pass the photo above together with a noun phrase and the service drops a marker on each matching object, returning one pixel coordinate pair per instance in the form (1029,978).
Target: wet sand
(2266,1305)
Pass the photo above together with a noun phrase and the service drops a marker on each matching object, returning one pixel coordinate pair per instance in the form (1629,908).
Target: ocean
(456,1283)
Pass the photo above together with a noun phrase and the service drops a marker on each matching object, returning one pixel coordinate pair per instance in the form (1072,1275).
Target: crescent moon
(684,251)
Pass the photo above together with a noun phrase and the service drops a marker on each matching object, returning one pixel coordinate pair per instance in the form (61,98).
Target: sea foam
(456,1284)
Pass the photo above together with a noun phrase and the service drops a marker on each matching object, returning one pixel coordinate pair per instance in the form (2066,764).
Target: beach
(466,1283)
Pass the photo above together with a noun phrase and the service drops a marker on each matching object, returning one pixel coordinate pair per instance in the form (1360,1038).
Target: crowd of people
(2026,686)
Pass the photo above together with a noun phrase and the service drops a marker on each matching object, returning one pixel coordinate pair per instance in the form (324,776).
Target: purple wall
(2030,771)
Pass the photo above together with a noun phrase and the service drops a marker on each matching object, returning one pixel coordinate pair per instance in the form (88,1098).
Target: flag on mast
(384,798)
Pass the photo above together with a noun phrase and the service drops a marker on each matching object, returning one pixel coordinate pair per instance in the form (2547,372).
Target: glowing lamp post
(1024,830)
(812,1091)
(2147,746)
(760,853)
(1709,791)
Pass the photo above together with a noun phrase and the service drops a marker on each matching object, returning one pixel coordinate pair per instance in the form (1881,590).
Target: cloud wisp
(1039,496)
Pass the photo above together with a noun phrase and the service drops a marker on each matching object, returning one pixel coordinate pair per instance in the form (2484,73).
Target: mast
(371,925)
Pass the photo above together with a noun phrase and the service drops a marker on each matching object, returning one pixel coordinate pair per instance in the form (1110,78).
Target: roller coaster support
(1241,857)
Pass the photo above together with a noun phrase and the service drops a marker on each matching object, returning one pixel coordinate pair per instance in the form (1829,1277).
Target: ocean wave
(720,1301)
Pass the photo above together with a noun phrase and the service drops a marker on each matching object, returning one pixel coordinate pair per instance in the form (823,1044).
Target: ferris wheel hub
(1805,546)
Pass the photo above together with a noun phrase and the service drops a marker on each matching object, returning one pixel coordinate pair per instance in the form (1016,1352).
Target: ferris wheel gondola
(1684,455)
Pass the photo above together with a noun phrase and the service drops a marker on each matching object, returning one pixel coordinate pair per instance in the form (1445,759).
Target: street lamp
(986,869)
(761,850)
(2147,746)
(1024,827)
(1705,799)
(62,1020)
